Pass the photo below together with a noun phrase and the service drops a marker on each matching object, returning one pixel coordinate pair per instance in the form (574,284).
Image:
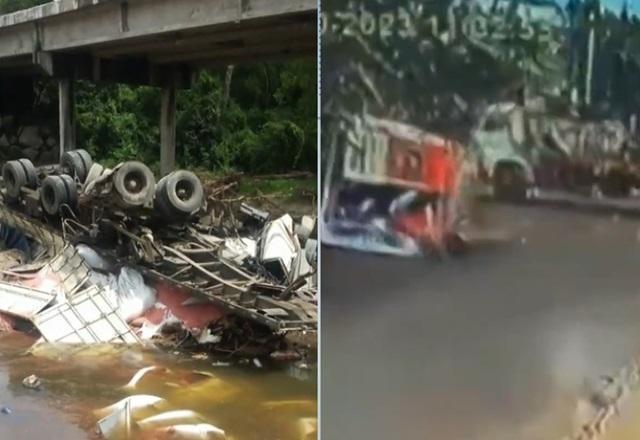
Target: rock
(30,136)
(15,151)
(48,157)
(6,121)
(32,382)
(31,153)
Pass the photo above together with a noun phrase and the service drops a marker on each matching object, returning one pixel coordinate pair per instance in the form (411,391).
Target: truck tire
(72,190)
(74,163)
(135,184)
(86,160)
(14,177)
(179,194)
(509,183)
(30,172)
(54,193)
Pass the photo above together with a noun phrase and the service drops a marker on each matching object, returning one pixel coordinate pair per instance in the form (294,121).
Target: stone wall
(37,142)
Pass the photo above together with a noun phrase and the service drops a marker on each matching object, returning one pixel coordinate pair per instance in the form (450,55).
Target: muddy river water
(250,401)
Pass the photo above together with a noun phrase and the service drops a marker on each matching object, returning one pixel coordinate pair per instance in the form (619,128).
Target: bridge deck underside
(141,35)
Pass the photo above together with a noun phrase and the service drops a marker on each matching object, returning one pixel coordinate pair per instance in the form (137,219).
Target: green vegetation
(7,6)
(289,187)
(442,63)
(267,125)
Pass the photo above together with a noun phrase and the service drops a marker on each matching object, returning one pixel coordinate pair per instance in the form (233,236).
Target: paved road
(492,346)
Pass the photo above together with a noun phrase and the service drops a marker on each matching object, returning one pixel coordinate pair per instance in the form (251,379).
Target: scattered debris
(259,216)
(308,428)
(128,290)
(117,424)
(239,249)
(32,382)
(146,416)
(94,260)
(201,431)
(138,377)
(279,247)
(220,364)
(137,404)
(117,257)
(104,257)
(285,356)
(169,418)
(23,302)
(87,318)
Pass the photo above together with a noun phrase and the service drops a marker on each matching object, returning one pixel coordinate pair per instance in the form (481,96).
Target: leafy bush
(267,125)
(8,6)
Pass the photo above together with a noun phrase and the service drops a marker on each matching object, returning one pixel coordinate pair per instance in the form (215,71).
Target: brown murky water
(249,402)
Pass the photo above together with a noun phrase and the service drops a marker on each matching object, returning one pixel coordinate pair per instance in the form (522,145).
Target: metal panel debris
(71,268)
(88,318)
(23,301)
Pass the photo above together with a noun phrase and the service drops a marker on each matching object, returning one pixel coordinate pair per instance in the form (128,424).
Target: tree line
(439,64)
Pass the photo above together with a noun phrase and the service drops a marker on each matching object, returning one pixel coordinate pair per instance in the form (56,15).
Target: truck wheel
(30,172)
(14,177)
(509,183)
(86,159)
(72,190)
(54,193)
(135,183)
(179,194)
(76,163)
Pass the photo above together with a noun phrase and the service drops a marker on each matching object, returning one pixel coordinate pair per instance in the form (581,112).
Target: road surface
(495,345)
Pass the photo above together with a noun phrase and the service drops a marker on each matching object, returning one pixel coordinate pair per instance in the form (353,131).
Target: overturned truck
(91,226)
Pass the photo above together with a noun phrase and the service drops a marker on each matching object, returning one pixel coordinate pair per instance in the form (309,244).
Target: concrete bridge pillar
(168,129)
(67,115)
